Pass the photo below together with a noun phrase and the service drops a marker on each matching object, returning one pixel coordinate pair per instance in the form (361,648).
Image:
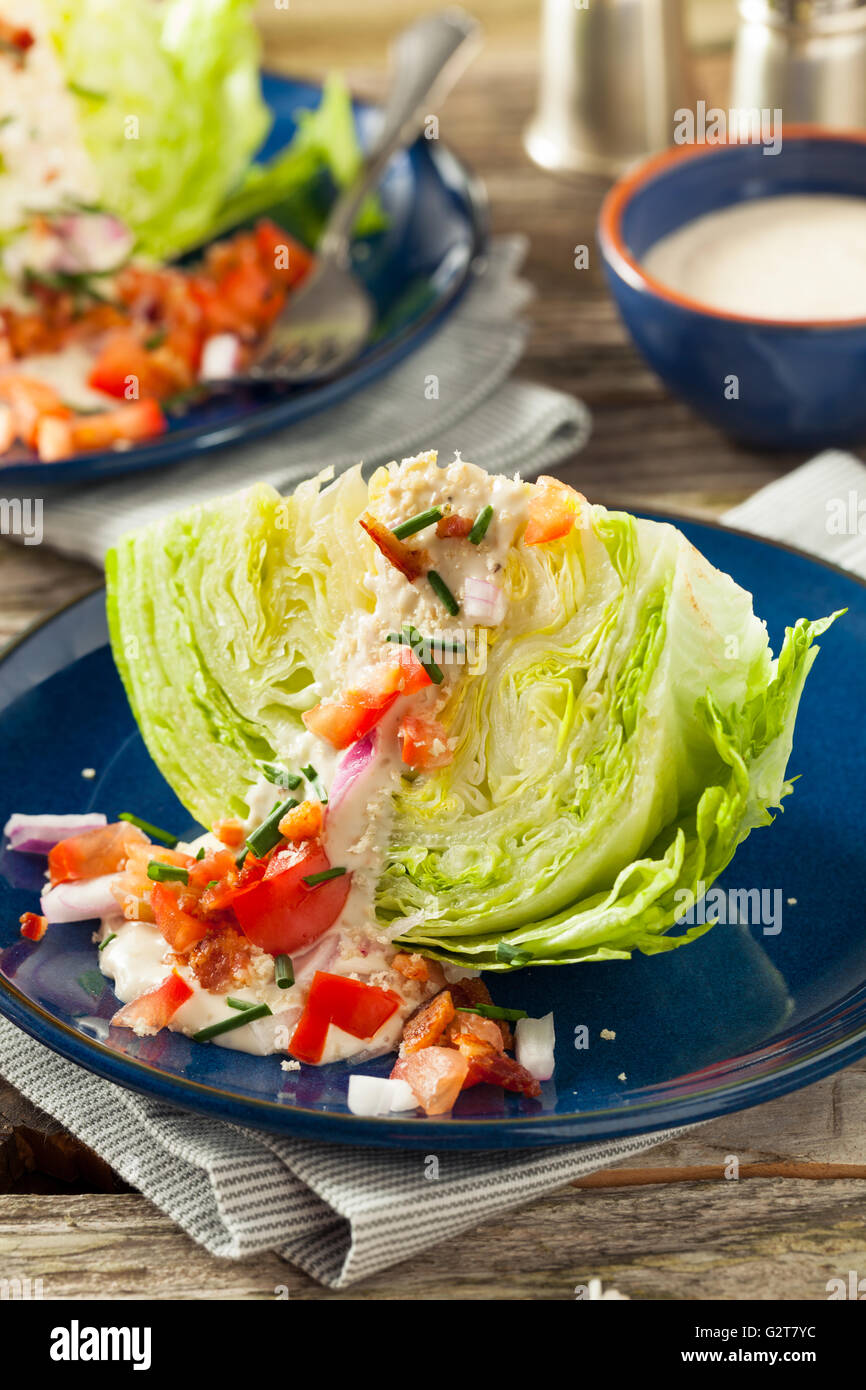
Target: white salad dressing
(66,372)
(44,159)
(357,826)
(793,257)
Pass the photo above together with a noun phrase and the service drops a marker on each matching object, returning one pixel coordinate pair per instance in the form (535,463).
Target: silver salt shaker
(613,74)
(805,57)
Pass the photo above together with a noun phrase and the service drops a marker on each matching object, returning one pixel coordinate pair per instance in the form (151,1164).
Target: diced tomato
(30,400)
(180,929)
(453,526)
(427,1024)
(95,852)
(230,832)
(474,1034)
(219,865)
(270,240)
(152,1011)
(552,511)
(497,1070)
(281,913)
(53,438)
(342,722)
(15,36)
(132,888)
(423,743)
(435,1076)
(411,563)
(127,369)
(351,1005)
(412,967)
(7,428)
(303,822)
(129,423)
(33,926)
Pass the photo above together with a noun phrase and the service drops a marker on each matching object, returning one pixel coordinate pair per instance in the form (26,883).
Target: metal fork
(328,320)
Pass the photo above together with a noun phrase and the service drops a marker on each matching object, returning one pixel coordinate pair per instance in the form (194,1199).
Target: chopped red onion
(359,759)
(535,1039)
(483,602)
(39,834)
(78,901)
(220,358)
(90,243)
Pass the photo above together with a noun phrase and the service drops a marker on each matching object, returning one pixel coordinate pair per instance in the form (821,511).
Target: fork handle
(427,58)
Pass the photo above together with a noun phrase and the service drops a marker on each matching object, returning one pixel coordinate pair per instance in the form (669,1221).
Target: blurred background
(646,447)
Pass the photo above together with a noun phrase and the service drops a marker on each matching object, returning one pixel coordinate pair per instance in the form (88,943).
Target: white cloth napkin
(452,392)
(344,1213)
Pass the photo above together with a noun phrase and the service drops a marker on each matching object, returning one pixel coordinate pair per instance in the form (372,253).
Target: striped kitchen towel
(452,392)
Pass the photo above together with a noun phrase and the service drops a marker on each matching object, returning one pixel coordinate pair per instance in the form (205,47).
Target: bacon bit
(497,1070)
(14,36)
(221,961)
(230,832)
(411,563)
(427,1024)
(33,926)
(410,967)
(471,990)
(454,526)
(302,822)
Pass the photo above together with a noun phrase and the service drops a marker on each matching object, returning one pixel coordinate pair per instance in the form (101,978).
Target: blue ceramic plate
(414,270)
(738,1017)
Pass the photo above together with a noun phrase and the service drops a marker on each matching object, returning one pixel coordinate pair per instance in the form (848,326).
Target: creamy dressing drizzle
(357,828)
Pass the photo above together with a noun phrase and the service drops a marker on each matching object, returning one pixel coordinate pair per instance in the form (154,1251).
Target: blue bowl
(800,384)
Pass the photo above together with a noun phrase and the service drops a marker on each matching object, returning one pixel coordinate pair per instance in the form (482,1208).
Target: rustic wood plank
(774,1239)
(32,1142)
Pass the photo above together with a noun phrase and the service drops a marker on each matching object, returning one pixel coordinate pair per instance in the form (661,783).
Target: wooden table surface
(674,1226)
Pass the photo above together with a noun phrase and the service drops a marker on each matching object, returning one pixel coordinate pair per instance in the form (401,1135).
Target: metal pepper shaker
(804,57)
(613,73)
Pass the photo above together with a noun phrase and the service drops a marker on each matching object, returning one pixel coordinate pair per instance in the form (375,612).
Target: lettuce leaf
(171,113)
(630,729)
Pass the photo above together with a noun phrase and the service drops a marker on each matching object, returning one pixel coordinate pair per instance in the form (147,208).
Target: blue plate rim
(171,448)
(510,1132)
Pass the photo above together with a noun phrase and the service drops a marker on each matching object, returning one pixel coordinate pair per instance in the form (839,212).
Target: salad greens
(630,729)
(171,113)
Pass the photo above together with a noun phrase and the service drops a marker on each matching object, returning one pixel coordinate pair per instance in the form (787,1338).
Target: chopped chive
(417,523)
(280,776)
(266,835)
(152,830)
(238,1003)
(200,856)
(312,777)
(240,857)
(167,873)
(112,936)
(410,637)
(493,1011)
(235,1020)
(510,954)
(482,521)
(322,877)
(441,590)
(212,883)
(284,972)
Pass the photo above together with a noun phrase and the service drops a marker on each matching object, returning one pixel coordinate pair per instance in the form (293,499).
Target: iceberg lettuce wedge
(629,729)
